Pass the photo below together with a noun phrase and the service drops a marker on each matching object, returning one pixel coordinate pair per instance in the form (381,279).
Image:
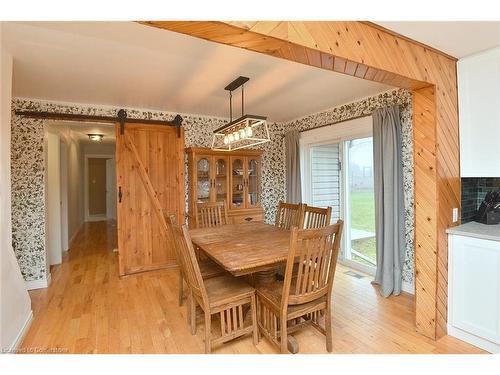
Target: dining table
(251,249)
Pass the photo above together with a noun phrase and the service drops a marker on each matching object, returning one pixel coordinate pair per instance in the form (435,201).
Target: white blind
(325,178)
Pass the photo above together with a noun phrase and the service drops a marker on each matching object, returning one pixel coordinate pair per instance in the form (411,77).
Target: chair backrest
(211,214)
(187,259)
(316,251)
(290,215)
(316,217)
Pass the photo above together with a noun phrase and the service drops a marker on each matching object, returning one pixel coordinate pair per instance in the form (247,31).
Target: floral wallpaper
(275,156)
(28,202)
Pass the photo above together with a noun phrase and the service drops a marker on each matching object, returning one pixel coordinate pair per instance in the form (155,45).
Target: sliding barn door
(150,178)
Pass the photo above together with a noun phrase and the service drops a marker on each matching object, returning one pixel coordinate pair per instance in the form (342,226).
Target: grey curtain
(389,202)
(292,153)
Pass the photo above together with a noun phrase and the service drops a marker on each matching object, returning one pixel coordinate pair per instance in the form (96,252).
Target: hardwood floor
(89,309)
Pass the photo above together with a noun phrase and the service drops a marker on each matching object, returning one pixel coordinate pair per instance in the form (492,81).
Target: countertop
(477,230)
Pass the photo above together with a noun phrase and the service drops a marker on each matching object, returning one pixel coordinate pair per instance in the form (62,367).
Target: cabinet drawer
(246,218)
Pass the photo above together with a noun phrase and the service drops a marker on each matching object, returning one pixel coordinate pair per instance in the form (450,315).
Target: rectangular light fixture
(244,132)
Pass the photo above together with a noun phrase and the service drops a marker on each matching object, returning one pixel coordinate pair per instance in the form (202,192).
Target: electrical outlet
(455,215)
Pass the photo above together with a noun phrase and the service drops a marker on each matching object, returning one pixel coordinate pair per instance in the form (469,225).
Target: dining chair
(304,298)
(289,215)
(211,214)
(316,217)
(223,295)
(208,268)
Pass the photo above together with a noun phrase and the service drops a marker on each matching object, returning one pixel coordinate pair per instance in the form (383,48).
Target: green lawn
(363,218)
(363,210)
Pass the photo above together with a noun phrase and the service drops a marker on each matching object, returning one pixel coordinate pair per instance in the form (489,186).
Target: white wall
(75,187)
(53,199)
(64,194)
(15,303)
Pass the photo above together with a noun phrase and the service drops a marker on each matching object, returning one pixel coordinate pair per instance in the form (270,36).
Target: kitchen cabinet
(233,176)
(479,114)
(474,291)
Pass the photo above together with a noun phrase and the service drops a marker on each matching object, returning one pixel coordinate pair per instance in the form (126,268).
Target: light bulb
(230,137)
(236,136)
(248,131)
(226,139)
(242,134)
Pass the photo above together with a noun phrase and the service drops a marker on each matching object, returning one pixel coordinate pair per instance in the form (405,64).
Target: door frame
(89,217)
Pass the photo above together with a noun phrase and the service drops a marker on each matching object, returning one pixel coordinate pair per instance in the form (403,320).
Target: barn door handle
(120,194)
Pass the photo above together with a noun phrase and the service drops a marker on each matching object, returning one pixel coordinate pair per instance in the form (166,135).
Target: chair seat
(226,289)
(272,294)
(210,269)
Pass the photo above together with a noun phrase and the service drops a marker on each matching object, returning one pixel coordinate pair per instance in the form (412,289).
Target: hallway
(89,309)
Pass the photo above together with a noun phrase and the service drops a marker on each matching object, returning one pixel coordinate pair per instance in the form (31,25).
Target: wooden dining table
(253,248)
(242,249)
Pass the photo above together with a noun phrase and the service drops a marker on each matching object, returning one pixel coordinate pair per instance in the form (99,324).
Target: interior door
(110,188)
(150,179)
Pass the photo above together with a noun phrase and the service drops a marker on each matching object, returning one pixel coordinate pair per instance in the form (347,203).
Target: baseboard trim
(70,242)
(96,218)
(408,287)
(22,332)
(477,341)
(38,284)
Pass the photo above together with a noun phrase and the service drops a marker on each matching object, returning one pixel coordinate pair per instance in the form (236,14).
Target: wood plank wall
(368,51)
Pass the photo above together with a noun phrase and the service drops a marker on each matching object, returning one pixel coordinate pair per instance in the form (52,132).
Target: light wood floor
(89,309)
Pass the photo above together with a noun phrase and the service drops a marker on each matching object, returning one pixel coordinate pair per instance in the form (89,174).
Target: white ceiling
(132,65)
(458,39)
(80,130)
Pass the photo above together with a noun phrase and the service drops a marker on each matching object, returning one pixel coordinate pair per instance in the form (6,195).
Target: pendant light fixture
(246,131)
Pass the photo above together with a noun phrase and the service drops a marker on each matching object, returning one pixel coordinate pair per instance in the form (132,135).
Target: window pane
(361,200)
(325,178)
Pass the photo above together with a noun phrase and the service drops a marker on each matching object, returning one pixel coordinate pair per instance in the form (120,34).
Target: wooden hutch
(234,176)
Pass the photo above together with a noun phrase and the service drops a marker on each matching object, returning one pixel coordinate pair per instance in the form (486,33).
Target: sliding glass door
(359,204)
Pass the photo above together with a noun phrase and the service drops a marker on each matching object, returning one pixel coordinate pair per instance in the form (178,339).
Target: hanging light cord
(230,106)
(242,100)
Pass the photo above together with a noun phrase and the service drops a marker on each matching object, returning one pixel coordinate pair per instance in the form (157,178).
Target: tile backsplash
(474,190)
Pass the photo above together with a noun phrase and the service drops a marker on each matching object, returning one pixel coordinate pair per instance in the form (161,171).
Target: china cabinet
(232,176)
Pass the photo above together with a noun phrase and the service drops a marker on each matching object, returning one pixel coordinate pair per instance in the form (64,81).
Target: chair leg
(328,328)
(192,313)
(283,336)
(208,332)
(253,306)
(181,287)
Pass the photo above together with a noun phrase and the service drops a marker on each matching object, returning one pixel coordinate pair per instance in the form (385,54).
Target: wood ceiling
(370,52)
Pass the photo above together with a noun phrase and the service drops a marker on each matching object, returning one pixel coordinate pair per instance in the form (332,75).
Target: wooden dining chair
(211,214)
(289,215)
(222,295)
(208,268)
(305,297)
(316,217)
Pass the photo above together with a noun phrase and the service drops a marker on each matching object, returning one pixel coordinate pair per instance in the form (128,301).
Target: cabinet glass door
(253,183)
(203,179)
(221,178)
(237,182)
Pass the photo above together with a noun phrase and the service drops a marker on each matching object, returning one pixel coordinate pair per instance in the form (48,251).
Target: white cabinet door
(479,111)
(475,287)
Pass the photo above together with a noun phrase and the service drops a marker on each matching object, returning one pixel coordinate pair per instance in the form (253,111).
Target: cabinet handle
(119,194)
(248,218)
